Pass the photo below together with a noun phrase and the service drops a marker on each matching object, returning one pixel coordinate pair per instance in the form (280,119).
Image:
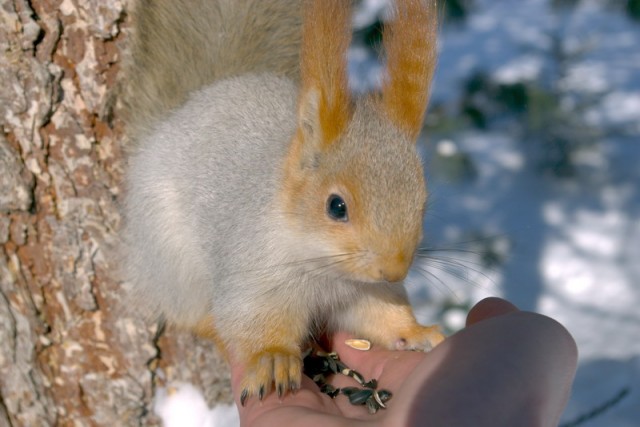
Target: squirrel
(265,202)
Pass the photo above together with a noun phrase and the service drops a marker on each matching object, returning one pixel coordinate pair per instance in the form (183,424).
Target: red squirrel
(264,201)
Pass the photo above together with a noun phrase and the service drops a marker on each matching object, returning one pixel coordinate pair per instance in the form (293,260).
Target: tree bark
(70,352)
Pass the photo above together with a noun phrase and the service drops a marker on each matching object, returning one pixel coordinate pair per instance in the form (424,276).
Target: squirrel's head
(358,200)
(353,185)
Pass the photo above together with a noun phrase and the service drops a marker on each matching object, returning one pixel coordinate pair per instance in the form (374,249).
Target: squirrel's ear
(309,118)
(325,104)
(409,42)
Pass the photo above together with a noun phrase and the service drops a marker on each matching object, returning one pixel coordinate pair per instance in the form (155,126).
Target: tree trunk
(70,352)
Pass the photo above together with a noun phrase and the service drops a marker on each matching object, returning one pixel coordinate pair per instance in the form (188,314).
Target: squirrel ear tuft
(409,41)
(309,116)
(325,94)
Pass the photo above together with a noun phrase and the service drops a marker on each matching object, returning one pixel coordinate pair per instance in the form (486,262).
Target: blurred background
(531,147)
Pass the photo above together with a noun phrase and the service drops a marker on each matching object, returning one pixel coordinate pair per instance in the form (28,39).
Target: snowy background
(532,148)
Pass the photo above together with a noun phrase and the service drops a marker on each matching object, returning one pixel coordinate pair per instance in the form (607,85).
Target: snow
(568,248)
(182,405)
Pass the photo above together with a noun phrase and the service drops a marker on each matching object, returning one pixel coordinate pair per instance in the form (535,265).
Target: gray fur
(204,234)
(182,45)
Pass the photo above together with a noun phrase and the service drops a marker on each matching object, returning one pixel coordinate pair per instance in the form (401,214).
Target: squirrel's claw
(243,396)
(274,366)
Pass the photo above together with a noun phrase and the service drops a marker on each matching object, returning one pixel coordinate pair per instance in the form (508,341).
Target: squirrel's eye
(337,208)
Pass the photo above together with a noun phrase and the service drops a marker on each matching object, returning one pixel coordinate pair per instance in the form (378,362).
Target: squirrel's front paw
(278,366)
(421,338)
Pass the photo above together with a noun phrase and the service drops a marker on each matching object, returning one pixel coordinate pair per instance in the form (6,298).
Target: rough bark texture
(70,354)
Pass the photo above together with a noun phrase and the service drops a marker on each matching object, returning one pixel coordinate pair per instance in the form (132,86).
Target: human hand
(506,368)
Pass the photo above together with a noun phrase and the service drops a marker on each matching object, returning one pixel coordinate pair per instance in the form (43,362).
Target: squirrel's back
(182,45)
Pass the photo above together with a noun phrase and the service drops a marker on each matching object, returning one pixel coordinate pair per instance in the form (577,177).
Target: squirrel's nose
(395,269)
(393,275)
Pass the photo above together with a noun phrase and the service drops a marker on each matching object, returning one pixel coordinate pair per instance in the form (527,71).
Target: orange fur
(373,317)
(273,357)
(281,333)
(325,39)
(205,328)
(410,45)
(281,366)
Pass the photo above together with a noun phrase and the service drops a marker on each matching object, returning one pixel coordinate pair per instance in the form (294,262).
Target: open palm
(505,368)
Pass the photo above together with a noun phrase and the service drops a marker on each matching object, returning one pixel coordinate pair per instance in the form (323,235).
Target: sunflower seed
(360,397)
(384,395)
(372,383)
(372,404)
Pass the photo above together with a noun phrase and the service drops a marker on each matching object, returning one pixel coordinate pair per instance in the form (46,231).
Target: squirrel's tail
(182,45)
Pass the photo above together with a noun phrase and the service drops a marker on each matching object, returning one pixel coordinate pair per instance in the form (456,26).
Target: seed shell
(376,396)
(348,391)
(358,344)
(372,405)
(372,383)
(360,396)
